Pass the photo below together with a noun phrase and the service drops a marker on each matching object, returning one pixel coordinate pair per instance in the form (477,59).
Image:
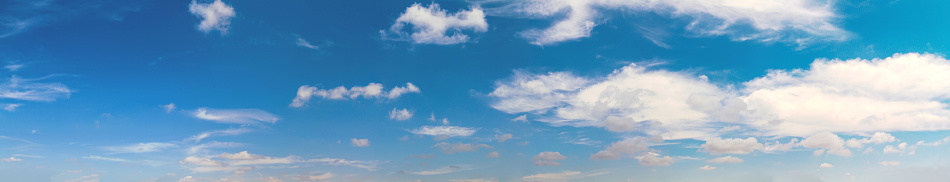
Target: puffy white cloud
(360,142)
(502,137)
(443,170)
(431,24)
(444,131)
(825,165)
(450,148)
(877,138)
(707,168)
(617,150)
(561,176)
(629,99)
(732,145)
(890,163)
(654,159)
(548,159)
(493,154)
(236,116)
(726,159)
(373,90)
(400,115)
(243,155)
(827,142)
(11,159)
(795,21)
(140,147)
(214,16)
(853,96)
(200,161)
(839,96)
(32,90)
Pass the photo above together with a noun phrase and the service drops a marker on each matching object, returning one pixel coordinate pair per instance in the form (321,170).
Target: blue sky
(474,91)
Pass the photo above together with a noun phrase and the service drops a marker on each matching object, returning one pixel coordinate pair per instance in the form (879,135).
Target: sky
(474,90)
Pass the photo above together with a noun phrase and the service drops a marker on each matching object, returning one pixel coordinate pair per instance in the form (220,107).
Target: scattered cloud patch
(707,168)
(214,16)
(444,131)
(825,165)
(236,116)
(433,25)
(493,154)
(169,107)
(443,170)
(26,89)
(400,115)
(360,142)
(450,148)
(140,148)
(373,90)
(11,159)
(561,176)
(890,163)
(726,159)
(548,159)
(629,147)
(502,137)
(227,132)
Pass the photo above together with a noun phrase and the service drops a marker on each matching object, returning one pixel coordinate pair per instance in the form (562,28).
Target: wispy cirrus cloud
(227,132)
(140,147)
(444,131)
(236,116)
(25,89)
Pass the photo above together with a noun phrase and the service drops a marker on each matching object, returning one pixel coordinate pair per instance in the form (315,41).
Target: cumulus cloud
(140,148)
(373,90)
(794,21)
(839,96)
(825,165)
(243,155)
(360,142)
(236,116)
(432,25)
(826,142)
(227,132)
(502,137)
(214,16)
(400,115)
(444,131)
(450,148)
(877,138)
(707,168)
(493,154)
(654,159)
(629,147)
(726,159)
(561,176)
(443,170)
(33,90)
(548,159)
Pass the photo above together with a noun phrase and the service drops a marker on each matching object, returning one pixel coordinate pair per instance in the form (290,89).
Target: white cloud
(654,159)
(475,180)
(827,143)
(877,138)
(502,137)
(629,99)
(96,157)
(86,178)
(243,155)
(10,107)
(707,168)
(431,24)
(899,93)
(548,159)
(140,147)
(303,43)
(31,90)
(617,150)
(238,162)
(795,21)
(522,118)
(368,165)
(561,176)
(493,154)
(373,90)
(13,67)
(169,107)
(236,116)
(443,170)
(444,131)
(214,16)
(360,142)
(726,159)
(11,159)
(200,161)
(890,163)
(904,92)
(214,144)
(825,165)
(450,148)
(732,145)
(400,115)
(314,177)
(227,132)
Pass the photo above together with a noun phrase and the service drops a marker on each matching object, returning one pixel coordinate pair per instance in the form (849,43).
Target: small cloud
(140,148)
(431,24)
(444,131)
(522,118)
(450,148)
(169,107)
(11,159)
(303,43)
(726,159)
(13,67)
(493,154)
(360,142)
(400,115)
(548,159)
(373,90)
(214,16)
(236,116)
(707,168)
(825,165)
(502,137)
(890,163)
(10,107)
